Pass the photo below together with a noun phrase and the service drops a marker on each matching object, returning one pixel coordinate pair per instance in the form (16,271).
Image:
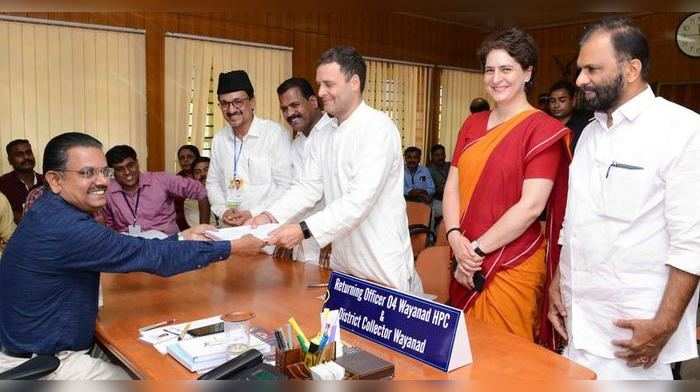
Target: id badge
(234,198)
(134,229)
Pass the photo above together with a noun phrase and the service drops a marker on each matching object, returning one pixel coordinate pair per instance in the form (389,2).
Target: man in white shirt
(299,106)
(250,157)
(625,295)
(356,167)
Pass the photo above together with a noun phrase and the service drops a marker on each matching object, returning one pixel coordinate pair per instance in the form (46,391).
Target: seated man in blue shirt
(418,185)
(50,270)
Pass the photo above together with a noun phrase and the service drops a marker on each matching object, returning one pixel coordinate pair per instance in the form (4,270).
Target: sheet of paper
(234,233)
(149,234)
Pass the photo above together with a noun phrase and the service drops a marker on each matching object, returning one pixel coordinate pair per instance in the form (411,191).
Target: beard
(606,95)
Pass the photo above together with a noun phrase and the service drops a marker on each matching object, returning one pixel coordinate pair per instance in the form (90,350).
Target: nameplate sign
(430,332)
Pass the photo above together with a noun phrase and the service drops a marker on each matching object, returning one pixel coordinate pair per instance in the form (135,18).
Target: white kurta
(632,212)
(357,169)
(309,250)
(264,165)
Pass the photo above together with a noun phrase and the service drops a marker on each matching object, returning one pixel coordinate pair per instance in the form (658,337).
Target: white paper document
(234,233)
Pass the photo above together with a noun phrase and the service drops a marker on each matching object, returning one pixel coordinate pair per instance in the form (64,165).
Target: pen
(300,334)
(316,285)
(184,331)
(289,336)
(156,325)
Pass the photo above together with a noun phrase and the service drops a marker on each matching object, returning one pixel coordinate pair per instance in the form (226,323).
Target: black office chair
(35,368)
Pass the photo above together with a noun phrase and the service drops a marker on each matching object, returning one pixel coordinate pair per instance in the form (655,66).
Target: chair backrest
(440,238)
(433,266)
(419,238)
(418,213)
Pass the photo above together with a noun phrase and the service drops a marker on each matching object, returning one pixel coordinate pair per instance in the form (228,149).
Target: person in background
(479,105)
(509,164)
(186,155)
(200,168)
(17,183)
(543,102)
(562,106)
(439,170)
(139,202)
(417,182)
(7,224)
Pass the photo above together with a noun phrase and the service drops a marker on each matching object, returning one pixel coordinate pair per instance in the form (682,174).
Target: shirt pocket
(623,191)
(260,170)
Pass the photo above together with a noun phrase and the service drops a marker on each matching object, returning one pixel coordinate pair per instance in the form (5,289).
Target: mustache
(231,114)
(292,117)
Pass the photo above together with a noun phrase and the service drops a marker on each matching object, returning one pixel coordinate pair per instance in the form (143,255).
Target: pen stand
(295,363)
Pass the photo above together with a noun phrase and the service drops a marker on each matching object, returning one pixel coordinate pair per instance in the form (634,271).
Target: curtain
(192,68)
(402,91)
(457,90)
(56,78)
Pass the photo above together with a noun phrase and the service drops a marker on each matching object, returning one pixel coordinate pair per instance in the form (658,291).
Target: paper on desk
(161,337)
(234,233)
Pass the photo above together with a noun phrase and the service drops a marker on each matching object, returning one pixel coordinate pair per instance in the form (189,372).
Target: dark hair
(479,105)
(436,147)
(411,149)
(117,154)
(518,44)
(14,143)
(56,150)
(302,84)
(190,147)
(200,160)
(628,41)
(563,85)
(349,60)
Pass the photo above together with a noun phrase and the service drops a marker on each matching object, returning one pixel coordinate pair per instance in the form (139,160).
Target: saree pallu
(492,167)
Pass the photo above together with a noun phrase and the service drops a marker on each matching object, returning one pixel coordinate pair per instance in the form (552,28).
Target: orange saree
(492,167)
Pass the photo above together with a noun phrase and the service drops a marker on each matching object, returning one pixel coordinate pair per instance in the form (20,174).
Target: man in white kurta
(357,168)
(631,238)
(250,149)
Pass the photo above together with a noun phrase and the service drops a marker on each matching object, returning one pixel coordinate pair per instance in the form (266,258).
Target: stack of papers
(197,354)
(207,352)
(234,233)
(161,337)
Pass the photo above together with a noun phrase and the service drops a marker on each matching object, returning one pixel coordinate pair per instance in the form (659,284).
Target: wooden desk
(274,290)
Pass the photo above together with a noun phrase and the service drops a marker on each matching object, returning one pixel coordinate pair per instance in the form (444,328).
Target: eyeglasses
(89,173)
(237,103)
(131,166)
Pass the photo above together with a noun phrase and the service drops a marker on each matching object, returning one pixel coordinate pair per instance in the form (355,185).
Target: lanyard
(133,210)
(236,156)
(413,177)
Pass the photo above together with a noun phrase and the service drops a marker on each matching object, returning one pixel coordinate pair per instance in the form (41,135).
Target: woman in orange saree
(509,165)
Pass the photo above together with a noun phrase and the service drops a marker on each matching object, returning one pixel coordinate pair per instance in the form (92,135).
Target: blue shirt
(50,273)
(420,179)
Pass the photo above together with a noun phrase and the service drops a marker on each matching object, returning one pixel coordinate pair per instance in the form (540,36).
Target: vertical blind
(192,68)
(457,89)
(55,79)
(402,91)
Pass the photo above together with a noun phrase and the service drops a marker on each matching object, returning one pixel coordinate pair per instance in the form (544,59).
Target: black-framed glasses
(236,103)
(89,173)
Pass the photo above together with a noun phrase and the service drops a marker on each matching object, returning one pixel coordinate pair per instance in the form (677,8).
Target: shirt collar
(630,110)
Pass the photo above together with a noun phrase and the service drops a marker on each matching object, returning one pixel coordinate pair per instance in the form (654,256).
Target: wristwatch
(477,249)
(305,230)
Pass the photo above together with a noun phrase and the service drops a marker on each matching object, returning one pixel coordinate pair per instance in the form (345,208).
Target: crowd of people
(609,280)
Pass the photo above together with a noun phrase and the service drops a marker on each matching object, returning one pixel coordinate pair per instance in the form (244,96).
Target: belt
(15,354)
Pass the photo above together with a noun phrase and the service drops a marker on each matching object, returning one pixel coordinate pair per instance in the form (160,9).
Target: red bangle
(269,216)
